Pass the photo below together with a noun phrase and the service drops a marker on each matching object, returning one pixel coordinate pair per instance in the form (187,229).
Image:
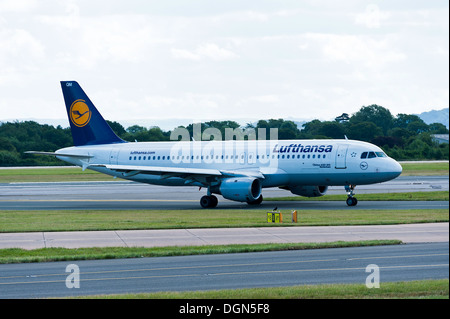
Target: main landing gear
(209,201)
(351,201)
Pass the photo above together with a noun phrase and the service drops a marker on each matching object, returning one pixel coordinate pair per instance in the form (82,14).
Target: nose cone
(395,168)
(388,170)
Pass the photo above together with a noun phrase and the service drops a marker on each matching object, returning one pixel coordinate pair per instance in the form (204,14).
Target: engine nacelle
(241,189)
(309,191)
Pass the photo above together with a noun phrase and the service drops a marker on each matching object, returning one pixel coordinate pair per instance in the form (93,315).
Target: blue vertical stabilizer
(87,124)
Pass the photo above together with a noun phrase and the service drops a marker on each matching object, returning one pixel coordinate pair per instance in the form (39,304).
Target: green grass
(425,169)
(421,289)
(85,220)
(18,255)
(413,196)
(50,174)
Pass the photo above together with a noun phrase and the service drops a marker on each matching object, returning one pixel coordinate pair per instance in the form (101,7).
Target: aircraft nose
(389,170)
(396,168)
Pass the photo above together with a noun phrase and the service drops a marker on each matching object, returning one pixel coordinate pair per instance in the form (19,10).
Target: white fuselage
(281,163)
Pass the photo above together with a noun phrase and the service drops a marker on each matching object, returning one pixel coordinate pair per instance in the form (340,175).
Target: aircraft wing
(244,172)
(131,170)
(158,170)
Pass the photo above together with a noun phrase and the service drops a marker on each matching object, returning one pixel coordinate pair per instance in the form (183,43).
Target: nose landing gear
(351,201)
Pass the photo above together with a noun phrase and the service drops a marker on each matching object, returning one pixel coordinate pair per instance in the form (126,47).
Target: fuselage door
(341,155)
(114,156)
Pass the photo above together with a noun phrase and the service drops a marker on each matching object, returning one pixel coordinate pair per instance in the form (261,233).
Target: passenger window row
(158,158)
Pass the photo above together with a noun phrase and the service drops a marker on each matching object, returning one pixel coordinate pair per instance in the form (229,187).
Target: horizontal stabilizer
(59,154)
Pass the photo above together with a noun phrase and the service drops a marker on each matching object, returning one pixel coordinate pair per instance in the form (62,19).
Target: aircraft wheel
(352,201)
(208,201)
(214,201)
(205,201)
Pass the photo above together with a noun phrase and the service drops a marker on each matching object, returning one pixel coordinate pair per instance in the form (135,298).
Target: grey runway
(132,190)
(185,204)
(226,271)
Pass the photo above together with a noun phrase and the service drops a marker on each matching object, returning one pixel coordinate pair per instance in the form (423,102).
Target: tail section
(87,124)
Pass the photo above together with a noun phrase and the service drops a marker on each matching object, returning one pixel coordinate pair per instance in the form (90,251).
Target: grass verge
(50,174)
(85,220)
(414,196)
(421,289)
(17,255)
(425,169)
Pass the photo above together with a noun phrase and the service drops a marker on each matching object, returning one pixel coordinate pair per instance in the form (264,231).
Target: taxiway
(229,271)
(121,194)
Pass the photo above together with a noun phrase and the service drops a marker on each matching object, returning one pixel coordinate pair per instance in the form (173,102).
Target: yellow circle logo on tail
(80,115)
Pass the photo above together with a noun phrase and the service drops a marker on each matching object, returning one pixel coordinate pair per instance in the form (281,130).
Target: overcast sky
(204,60)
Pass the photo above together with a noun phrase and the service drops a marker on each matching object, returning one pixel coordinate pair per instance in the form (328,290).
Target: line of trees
(403,137)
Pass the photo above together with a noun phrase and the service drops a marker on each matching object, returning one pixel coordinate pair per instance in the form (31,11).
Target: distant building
(440,138)
(342,118)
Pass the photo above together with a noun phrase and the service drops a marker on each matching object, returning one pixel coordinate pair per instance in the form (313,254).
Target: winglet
(86,123)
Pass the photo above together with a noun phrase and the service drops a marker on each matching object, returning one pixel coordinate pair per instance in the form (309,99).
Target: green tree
(378,115)
(401,133)
(135,129)
(417,127)
(117,128)
(333,130)
(403,120)
(327,129)
(312,128)
(437,128)
(6,145)
(197,133)
(286,129)
(9,158)
(365,131)
(156,134)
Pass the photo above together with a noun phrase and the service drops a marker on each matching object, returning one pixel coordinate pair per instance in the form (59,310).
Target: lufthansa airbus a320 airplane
(236,169)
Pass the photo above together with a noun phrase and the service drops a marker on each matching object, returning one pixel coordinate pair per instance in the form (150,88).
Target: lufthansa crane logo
(80,115)
(363,165)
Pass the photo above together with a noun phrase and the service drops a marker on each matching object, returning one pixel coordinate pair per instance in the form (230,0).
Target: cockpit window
(372,155)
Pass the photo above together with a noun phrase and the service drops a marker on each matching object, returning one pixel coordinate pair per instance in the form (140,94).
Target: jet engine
(309,191)
(241,189)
